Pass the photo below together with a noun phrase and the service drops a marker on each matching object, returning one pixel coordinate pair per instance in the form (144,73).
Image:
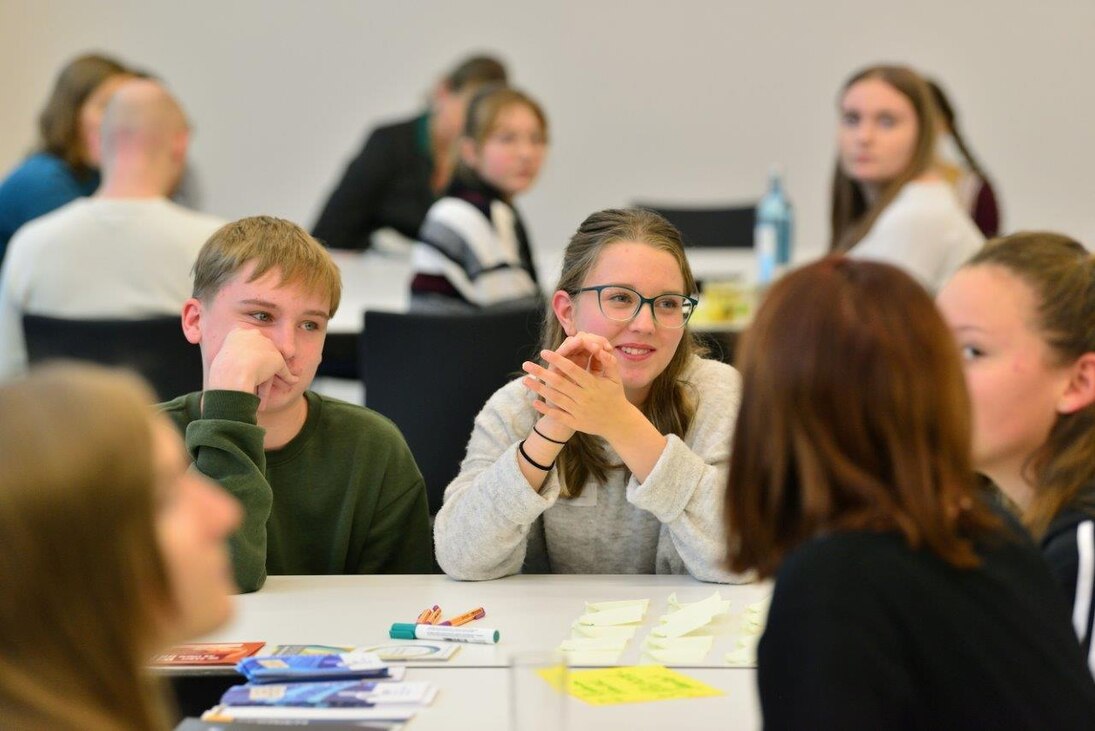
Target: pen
(477,613)
(482,636)
(424,616)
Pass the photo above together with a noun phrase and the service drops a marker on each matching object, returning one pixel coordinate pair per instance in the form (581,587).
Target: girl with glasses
(611,454)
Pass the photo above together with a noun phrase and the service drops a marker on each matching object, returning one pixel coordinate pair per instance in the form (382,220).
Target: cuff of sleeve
(230,406)
(670,485)
(514,497)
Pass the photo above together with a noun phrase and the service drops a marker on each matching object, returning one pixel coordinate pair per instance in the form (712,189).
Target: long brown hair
(1061,274)
(59,121)
(854,416)
(671,404)
(83,576)
(851,217)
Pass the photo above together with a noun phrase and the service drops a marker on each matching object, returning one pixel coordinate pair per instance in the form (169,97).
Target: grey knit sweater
(494,524)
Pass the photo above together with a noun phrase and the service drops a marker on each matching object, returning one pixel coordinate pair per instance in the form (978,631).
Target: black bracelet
(531,461)
(545,436)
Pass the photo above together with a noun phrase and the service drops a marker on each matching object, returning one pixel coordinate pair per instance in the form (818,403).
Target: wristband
(545,436)
(531,461)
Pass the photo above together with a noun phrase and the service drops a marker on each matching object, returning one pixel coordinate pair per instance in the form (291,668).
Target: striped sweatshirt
(1069,548)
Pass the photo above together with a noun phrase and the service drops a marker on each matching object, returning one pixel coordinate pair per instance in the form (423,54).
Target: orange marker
(477,613)
(424,616)
(435,614)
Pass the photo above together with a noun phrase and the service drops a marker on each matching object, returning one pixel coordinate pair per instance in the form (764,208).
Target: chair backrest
(431,373)
(154,347)
(726,226)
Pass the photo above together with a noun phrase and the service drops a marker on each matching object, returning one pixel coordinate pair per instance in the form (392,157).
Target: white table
(531,612)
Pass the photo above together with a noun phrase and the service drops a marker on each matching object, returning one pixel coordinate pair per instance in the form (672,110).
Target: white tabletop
(530,611)
(380,280)
(478,698)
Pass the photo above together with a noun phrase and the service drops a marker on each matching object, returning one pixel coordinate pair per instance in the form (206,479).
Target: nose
(284,336)
(643,321)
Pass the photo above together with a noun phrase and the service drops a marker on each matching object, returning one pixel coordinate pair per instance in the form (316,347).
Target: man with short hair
(327,487)
(125,252)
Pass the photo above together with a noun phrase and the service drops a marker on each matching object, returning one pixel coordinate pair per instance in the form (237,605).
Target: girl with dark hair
(902,599)
(66,165)
(610,456)
(888,202)
(1023,313)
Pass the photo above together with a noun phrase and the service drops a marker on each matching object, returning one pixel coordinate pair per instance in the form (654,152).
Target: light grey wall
(680,101)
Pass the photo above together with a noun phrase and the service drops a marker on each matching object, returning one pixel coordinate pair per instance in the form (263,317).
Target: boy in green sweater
(327,487)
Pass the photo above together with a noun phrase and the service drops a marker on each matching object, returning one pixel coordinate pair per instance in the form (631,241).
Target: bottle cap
(401,631)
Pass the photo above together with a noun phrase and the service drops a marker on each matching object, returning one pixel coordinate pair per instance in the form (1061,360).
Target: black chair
(154,347)
(431,374)
(726,226)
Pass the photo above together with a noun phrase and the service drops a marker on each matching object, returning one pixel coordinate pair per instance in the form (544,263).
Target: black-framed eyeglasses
(622,304)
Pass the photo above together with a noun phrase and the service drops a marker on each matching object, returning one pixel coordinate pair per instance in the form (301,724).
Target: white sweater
(923,231)
(494,524)
(98,258)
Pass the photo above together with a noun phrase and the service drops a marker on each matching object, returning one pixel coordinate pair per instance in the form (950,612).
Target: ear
(563,306)
(1080,391)
(191,321)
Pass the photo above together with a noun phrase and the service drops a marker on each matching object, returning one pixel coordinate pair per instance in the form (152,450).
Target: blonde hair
(852,218)
(671,404)
(272,243)
(1061,274)
(83,578)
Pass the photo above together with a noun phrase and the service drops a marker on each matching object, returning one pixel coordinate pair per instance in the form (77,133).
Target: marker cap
(401,631)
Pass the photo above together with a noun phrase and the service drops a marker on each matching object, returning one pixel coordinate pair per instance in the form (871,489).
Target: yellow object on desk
(636,684)
(725,302)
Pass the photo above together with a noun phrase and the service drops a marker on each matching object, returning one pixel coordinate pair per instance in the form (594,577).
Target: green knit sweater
(343,497)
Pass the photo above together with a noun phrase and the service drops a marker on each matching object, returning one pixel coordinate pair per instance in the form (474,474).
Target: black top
(866,633)
(387,184)
(1069,548)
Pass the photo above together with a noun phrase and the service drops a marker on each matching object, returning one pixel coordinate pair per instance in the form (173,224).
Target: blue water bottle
(775,229)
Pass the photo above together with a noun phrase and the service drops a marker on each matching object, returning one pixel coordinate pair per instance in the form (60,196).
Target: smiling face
(513,151)
(1014,382)
(193,520)
(642,347)
(878,132)
(293,318)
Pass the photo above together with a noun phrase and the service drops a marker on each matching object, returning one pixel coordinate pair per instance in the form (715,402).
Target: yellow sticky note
(625,631)
(635,684)
(622,615)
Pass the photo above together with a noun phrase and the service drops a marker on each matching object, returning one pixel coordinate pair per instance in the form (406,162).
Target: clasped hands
(581,386)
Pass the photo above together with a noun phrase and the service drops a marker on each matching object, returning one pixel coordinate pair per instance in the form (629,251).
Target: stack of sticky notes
(601,634)
(753,621)
(675,640)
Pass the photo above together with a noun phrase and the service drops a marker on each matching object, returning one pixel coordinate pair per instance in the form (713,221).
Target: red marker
(466,617)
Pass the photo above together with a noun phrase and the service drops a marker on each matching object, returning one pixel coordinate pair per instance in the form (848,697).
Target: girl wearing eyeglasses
(611,454)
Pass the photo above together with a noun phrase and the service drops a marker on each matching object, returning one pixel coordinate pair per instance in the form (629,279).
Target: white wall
(678,101)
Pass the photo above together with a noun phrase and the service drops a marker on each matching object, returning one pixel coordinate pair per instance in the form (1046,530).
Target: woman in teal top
(65,166)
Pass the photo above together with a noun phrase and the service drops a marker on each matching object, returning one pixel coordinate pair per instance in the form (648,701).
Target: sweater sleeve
(685,490)
(13,348)
(482,529)
(226,445)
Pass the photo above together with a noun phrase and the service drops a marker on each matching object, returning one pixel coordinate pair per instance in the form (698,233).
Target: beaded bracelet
(531,461)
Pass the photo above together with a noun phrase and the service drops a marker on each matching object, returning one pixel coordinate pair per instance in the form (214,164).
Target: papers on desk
(286,668)
(610,686)
(683,635)
(206,654)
